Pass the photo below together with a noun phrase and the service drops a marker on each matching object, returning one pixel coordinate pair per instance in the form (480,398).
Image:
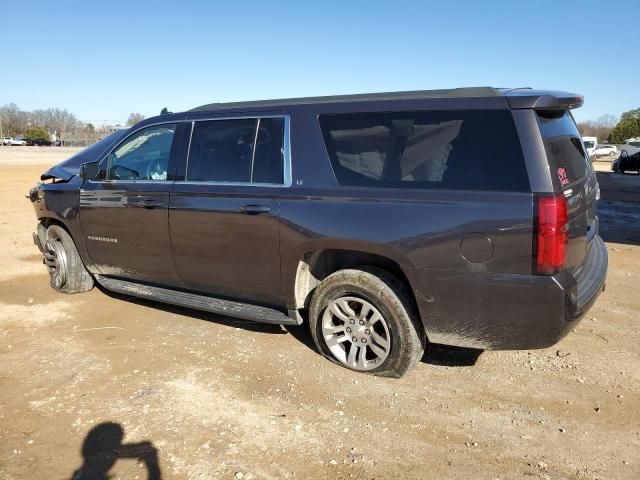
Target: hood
(71,166)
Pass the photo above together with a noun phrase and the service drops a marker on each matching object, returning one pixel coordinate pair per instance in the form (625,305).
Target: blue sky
(104,60)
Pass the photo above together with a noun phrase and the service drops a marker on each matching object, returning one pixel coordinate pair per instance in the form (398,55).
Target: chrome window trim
(286,153)
(287,176)
(253,148)
(120,180)
(230,184)
(186,162)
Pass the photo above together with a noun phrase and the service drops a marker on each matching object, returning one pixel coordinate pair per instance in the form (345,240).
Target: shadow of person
(103,447)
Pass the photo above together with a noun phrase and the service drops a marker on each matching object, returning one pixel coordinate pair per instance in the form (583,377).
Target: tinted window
(470,150)
(563,145)
(243,150)
(268,158)
(144,155)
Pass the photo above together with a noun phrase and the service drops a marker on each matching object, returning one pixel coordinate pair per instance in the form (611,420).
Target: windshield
(589,144)
(563,145)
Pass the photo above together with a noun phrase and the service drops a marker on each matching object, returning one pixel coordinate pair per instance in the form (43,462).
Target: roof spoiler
(542,99)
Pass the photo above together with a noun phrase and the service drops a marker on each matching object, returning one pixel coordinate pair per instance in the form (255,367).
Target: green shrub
(37,134)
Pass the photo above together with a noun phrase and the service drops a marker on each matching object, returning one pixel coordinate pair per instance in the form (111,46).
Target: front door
(224,216)
(124,215)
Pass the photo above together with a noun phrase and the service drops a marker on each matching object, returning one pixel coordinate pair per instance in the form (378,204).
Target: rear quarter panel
(421,230)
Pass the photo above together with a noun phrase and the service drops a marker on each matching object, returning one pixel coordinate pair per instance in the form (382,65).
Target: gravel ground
(183,394)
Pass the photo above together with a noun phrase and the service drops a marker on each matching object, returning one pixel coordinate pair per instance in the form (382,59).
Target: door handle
(255,209)
(150,203)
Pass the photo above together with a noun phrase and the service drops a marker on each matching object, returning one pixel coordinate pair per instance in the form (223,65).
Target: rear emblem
(562,175)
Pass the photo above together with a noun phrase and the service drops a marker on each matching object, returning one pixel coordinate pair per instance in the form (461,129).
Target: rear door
(573,176)
(124,214)
(224,214)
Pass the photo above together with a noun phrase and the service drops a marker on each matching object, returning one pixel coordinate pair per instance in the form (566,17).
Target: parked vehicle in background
(38,142)
(17,142)
(634,142)
(385,220)
(590,143)
(628,161)
(606,150)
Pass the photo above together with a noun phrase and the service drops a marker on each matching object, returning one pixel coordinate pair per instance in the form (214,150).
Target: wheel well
(316,266)
(48,221)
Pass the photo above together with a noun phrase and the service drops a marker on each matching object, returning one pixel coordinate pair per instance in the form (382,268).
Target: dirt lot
(198,396)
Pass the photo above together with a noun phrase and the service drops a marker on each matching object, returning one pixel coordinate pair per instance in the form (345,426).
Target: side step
(198,302)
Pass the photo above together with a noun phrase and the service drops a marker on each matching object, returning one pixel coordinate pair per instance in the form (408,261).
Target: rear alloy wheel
(356,333)
(365,320)
(67,273)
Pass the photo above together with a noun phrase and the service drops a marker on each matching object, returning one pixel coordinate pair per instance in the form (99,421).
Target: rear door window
(468,150)
(237,151)
(563,145)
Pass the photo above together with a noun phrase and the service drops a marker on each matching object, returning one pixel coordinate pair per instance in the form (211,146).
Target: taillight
(551,234)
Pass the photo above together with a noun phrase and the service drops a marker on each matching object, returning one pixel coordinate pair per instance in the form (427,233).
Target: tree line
(610,129)
(36,124)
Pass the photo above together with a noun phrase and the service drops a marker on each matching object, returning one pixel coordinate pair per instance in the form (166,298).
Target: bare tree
(61,120)
(606,121)
(14,120)
(600,128)
(40,119)
(134,118)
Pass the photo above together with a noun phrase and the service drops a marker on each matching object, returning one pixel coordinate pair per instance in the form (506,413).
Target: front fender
(60,203)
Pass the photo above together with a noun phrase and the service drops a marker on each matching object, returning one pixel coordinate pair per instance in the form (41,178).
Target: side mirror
(90,170)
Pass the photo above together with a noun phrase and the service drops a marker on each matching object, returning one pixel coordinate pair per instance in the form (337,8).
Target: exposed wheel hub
(55,259)
(356,333)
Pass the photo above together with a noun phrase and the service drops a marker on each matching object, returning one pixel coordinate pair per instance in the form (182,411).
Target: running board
(198,302)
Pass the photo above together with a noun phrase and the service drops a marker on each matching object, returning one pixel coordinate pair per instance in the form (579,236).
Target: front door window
(143,156)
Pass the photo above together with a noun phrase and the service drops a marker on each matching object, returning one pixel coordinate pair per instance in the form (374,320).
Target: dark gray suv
(464,217)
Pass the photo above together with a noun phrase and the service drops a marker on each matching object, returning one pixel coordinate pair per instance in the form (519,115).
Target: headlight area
(35,194)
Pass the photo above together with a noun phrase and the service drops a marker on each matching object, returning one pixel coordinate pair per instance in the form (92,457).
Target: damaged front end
(34,194)
(56,196)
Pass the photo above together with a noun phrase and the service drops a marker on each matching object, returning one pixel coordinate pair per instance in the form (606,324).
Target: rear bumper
(506,311)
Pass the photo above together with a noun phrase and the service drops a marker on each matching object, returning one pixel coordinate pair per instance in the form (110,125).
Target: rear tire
(364,320)
(67,273)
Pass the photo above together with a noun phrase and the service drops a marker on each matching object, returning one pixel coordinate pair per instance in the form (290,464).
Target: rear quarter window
(563,145)
(466,150)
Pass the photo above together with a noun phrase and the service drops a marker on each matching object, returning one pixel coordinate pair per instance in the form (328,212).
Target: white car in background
(606,150)
(13,141)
